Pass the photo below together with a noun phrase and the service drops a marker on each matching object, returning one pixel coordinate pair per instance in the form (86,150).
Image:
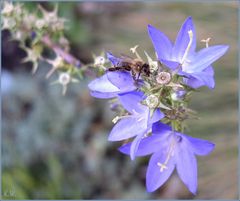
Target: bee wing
(127,58)
(113,59)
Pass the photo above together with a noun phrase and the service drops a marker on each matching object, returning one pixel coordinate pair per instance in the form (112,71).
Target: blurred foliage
(56,147)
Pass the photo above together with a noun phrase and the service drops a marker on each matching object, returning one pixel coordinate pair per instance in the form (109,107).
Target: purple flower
(196,66)
(137,123)
(170,149)
(178,94)
(112,83)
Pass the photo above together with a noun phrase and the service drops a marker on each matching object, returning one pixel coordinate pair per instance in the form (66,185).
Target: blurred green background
(56,147)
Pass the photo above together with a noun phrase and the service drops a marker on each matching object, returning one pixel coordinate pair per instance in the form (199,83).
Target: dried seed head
(40,23)
(8,23)
(163,78)
(152,101)
(7,8)
(64,78)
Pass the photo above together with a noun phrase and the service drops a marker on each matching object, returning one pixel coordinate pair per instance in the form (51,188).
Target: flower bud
(98,61)
(178,95)
(163,78)
(152,101)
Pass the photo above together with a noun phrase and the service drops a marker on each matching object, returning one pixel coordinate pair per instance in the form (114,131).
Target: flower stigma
(206,41)
(134,51)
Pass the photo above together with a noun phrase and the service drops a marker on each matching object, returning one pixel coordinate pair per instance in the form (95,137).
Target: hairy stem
(65,55)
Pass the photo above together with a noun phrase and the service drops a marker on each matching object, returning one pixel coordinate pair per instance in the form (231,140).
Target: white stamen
(153,65)
(140,119)
(115,119)
(190,34)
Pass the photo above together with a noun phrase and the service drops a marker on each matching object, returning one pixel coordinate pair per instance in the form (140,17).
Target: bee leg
(135,79)
(140,71)
(115,68)
(111,69)
(134,76)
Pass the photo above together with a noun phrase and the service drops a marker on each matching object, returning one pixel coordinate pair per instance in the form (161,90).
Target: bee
(135,66)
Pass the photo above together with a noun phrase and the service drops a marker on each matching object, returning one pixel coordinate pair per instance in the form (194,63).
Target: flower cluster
(154,97)
(151,97)
(41,29)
